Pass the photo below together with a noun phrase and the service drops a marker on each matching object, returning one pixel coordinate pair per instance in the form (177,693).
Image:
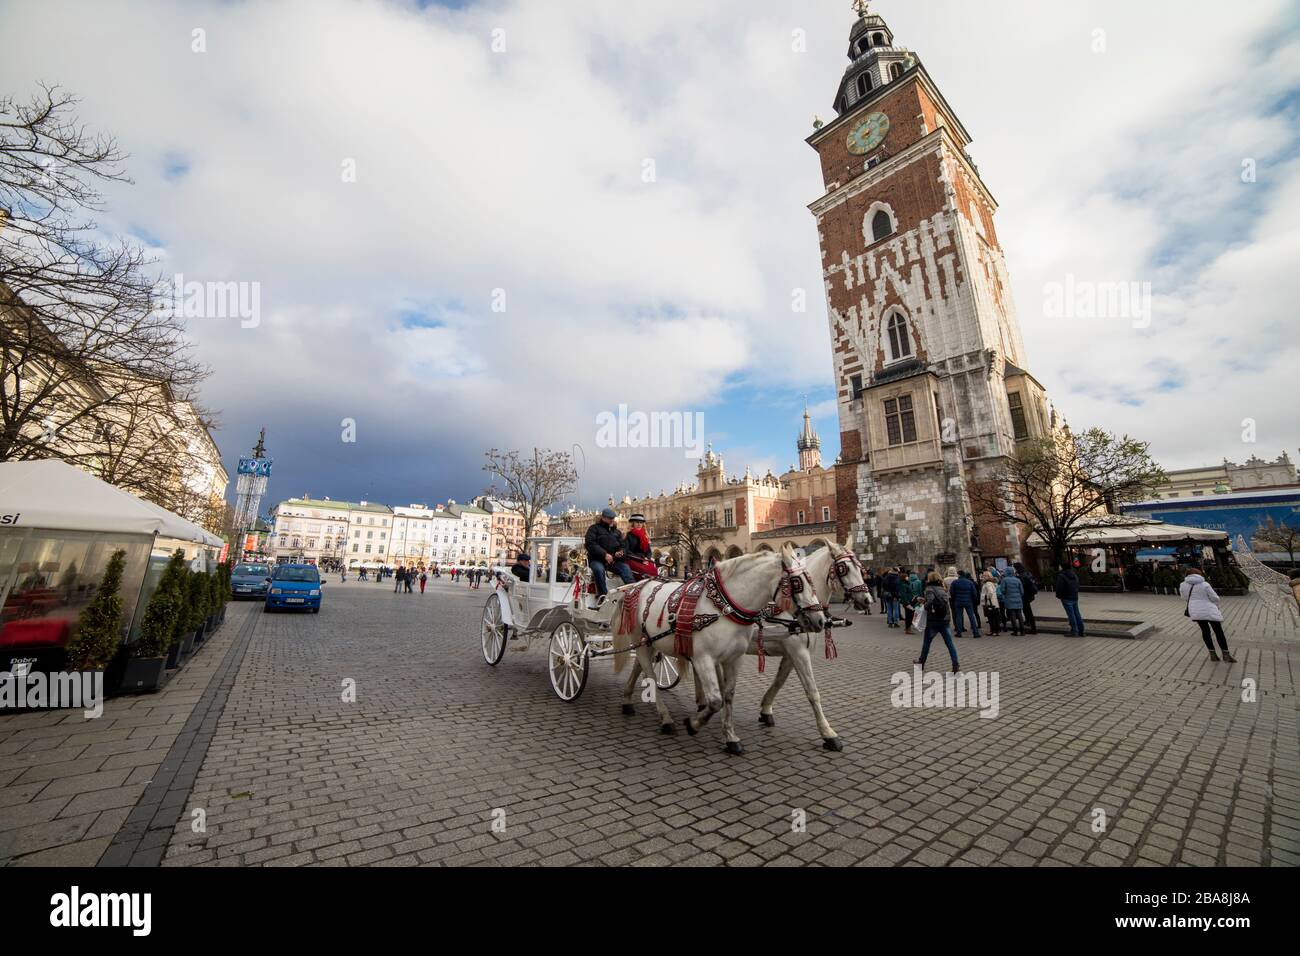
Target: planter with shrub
(198,606)
(146,669)
(98,635)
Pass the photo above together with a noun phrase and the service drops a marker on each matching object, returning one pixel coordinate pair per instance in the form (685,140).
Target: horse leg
(645,669)
(803,666)
(630,687)
(730,672)
(782,672)
(707,693)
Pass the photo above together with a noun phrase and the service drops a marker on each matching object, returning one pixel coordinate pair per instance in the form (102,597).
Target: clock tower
(929,363)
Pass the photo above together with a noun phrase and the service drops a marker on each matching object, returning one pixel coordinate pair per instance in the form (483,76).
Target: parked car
(249,581)
(294,586)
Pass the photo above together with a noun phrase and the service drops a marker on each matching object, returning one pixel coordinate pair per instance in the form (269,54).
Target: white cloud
(523,171)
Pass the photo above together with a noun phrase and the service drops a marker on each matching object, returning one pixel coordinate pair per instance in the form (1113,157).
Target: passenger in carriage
(605,551)
(520,568)
(636,548)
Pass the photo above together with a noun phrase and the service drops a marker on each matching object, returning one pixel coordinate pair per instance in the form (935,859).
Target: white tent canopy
(1152,533)
(54,495)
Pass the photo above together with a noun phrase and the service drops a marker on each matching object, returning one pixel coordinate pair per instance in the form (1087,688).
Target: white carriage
(559,604)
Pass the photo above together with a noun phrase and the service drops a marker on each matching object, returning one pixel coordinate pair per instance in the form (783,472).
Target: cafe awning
(1147,533)
(55,496)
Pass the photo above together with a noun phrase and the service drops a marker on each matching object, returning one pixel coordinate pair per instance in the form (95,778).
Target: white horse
(838,567)
(737,593)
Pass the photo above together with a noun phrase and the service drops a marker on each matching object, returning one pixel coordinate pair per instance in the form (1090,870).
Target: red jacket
(637,544)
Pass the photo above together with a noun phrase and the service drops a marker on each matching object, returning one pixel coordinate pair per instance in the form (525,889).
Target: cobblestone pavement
(68,784)
(437,746)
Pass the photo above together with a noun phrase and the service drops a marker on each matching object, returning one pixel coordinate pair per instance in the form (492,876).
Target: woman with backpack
(1203,608)
(937,618)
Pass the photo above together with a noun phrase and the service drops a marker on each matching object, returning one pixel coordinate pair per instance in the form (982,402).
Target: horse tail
(622,639)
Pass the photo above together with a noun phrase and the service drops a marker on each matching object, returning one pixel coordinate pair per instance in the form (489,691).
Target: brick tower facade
(928,357)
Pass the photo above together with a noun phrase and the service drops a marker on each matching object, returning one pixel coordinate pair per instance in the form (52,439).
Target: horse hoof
(767,720)
(689,729)
(667,729)
(735,747)
(832,743)
(628,710)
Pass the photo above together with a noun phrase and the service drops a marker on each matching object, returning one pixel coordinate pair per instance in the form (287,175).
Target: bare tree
(687,530)
(1280,535)
(80,338)
(1060,484)
(530,482)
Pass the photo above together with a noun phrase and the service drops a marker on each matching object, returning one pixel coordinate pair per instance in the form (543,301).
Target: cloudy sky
(447,213)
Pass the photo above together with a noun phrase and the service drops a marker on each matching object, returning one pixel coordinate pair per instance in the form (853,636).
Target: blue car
(249,581)
(295,586)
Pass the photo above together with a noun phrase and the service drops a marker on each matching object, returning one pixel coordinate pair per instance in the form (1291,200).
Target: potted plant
(99,628)
(146,668)
(198,600)
(179,585)
(214,602)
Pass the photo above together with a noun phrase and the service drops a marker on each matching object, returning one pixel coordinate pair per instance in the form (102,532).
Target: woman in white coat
(1203,608)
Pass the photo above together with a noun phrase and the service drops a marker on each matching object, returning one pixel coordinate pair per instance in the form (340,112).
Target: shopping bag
(918,619)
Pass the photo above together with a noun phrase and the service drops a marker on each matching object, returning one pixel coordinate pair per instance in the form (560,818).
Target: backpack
(936,609)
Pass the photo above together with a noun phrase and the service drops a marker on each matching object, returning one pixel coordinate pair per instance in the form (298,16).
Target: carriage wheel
(567,661)
(667,675)
(493,631)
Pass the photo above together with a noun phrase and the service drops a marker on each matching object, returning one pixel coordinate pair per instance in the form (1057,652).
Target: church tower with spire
(929,362)
(809,445)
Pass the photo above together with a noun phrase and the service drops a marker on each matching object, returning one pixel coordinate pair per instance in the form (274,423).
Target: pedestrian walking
(1203,608)
(1030,584)
(989,598)
(1067,592)
(424,579)
(1012,593)
(965,596)
(937,615)
(398,578)
(410,581)
(949,577)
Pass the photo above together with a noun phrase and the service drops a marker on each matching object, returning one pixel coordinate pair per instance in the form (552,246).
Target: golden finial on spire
(861,6)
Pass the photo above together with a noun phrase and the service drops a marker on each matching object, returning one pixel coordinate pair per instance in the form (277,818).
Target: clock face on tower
(868,134)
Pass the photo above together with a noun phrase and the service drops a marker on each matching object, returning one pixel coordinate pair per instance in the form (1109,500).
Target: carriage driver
(605,551)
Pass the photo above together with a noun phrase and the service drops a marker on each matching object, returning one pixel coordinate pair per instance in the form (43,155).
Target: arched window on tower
(864,84)
(900,341)
(895,71)
(877,39)
(881,226)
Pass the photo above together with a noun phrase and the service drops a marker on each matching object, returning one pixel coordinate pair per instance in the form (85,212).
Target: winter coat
(1201,600)
(964,592)
(603,539)
(1012,593)
(891,585)
(1067,585)
(914,588)
(989,594)
(936,604)
(637,544)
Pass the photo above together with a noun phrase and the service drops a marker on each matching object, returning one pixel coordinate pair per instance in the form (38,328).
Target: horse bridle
(848,557)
